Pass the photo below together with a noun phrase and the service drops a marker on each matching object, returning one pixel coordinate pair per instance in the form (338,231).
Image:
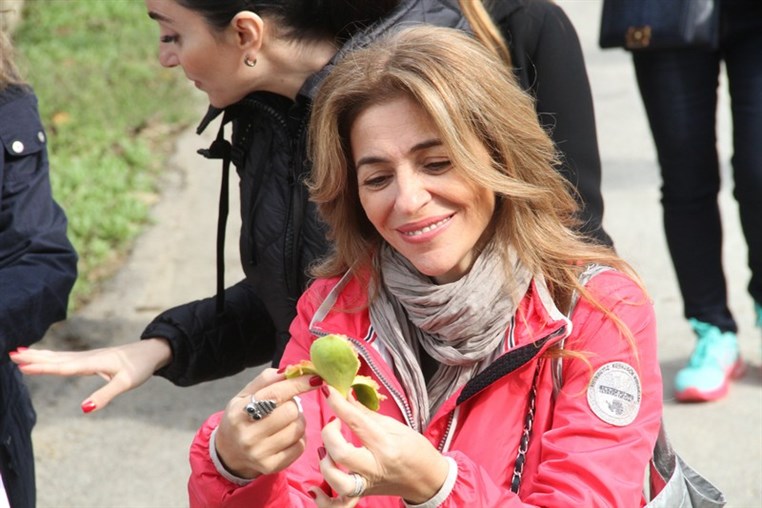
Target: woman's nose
(412,193)
(167,56)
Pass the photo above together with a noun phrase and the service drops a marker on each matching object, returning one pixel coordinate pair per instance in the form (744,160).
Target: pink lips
(424,230)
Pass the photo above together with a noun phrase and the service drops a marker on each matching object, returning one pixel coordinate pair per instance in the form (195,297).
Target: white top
(3,496)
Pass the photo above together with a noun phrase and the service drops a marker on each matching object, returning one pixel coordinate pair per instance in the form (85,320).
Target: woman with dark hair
(38,266)
(515,362)
(260,63)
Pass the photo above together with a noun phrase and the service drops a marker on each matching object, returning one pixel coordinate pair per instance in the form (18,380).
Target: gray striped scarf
(461,325)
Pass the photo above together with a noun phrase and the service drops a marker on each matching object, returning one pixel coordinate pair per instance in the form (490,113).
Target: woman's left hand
(394,460)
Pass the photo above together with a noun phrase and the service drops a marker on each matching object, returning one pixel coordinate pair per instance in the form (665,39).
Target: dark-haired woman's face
(212,61)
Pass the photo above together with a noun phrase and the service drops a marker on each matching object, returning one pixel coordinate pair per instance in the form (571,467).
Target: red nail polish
(321,453)
(88,406)
(325,390)
(312,494)
(316,381)
(281,370)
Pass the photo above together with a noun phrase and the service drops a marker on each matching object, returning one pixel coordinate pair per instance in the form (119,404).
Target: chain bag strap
(518,468)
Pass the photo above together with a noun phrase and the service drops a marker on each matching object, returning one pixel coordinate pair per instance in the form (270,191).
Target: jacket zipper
(446,435)
(288,249)
(398,398)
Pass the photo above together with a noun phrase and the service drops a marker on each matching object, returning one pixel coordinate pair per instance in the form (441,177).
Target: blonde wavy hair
(9,73)
(469,94)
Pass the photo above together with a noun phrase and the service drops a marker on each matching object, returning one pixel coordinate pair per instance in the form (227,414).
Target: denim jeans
(679,92)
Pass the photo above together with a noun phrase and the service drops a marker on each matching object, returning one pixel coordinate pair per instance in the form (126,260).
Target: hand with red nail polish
(124,367)
(394,459)
(239,436)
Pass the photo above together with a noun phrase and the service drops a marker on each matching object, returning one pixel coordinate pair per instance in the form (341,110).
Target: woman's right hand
(248,447)
(123,367)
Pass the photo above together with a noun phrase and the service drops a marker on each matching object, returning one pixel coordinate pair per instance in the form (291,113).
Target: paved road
(134,453)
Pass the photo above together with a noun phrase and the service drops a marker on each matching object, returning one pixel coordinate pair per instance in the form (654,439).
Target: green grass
(111,113)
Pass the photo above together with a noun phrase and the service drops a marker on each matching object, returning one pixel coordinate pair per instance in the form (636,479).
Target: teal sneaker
(715,361)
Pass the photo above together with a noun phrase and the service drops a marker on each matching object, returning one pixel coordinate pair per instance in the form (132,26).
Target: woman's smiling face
(413,195)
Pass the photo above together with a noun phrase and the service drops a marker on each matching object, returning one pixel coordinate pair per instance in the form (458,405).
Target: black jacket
(548,61)
(281,234)
(38,266)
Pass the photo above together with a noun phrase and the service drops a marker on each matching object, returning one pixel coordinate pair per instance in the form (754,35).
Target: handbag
(671,482)
(674,484)
(641,25)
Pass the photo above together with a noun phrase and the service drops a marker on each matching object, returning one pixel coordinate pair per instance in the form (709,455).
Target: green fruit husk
(336,361)
(366,391)
(333,358)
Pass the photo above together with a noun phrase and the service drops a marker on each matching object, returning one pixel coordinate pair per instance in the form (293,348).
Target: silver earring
(248,62)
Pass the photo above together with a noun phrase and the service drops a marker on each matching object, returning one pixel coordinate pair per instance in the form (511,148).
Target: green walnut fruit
(333,358)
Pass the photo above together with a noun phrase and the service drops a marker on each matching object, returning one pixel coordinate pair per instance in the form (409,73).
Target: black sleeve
(38,264)
(205,347)
(549,63)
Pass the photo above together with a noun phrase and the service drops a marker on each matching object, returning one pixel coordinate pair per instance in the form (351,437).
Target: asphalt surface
(134,452)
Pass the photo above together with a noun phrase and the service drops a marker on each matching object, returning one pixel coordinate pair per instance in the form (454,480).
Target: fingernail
(88,406)
(312,494)
(325,390)
(21,349)
(321,452)
(316,381)
(281,370)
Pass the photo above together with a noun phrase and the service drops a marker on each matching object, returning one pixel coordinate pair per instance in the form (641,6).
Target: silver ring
(360,485)
(298,402)
(258,409)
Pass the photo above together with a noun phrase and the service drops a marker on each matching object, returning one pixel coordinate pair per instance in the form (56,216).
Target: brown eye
(438,166)
(375,182)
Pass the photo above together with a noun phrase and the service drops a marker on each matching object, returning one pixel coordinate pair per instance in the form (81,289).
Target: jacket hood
(445,13)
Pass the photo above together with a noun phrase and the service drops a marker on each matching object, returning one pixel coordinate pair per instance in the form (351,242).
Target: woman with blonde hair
(515,360)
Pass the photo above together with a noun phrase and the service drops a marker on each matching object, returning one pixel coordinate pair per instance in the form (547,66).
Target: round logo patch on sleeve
(614,393)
